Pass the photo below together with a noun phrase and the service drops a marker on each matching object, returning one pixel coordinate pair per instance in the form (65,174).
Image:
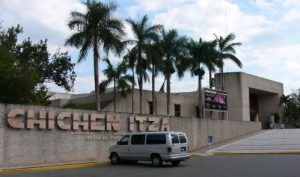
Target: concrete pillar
(257,118)
(272,119)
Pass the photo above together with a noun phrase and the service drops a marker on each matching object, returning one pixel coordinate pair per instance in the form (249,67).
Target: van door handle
(128,149)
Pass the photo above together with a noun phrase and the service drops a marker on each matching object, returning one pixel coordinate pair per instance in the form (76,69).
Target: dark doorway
(150,107)
(254,109)
(177,110)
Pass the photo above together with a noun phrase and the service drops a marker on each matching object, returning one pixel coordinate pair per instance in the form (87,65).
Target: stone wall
(23,147)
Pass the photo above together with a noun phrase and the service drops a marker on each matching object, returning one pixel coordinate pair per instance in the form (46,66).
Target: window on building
(177,110)
(150,107)
(137,139)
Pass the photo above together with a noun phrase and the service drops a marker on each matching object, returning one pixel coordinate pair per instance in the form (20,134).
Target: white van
(151,146)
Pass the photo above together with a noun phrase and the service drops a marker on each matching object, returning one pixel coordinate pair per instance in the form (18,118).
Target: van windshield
(124,140)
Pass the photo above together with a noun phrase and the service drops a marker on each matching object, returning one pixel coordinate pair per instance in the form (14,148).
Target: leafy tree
(291,107)
(285,101)
(26,66)
(226,48)
(144,34)
(116,75)
(96,28)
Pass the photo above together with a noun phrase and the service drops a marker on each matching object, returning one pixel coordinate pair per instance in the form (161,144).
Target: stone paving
(271,141)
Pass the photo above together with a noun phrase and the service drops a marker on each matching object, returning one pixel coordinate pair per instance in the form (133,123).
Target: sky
(269,31)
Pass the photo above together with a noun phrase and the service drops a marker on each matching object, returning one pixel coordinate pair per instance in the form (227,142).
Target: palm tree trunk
(200,96)
(114,95)
(141,93)
(210,81)
(168,95)
(153,91)
(132,90)
(210,86)
(96,75)
(222,77)
(140,79)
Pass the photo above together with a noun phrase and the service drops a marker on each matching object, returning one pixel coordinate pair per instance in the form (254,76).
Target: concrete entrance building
(246,93)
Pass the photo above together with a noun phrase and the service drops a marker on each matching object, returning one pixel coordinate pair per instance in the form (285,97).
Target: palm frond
(83,51)
(103,85)
(234,59)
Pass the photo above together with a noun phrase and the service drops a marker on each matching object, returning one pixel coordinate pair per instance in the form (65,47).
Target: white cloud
(263,4)
(279,63)
(52,14)
(205,18)
(269,48)
(268,29)
(40,19)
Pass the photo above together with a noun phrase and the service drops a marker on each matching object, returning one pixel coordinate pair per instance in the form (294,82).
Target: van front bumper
(169,158)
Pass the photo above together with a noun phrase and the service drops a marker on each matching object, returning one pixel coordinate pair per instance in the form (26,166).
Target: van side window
(124,140)
(137,139)
(182,138)
(174,138)
(156,139)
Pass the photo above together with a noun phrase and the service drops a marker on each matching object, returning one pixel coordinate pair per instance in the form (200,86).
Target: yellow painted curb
(201,154)
(58,167)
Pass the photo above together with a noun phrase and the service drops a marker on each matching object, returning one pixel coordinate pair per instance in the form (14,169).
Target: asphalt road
(210,166)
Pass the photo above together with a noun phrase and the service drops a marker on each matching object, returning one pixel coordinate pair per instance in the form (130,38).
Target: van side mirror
(118,143)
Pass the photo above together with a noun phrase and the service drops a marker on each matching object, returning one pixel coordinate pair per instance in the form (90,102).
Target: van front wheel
(114,158)
(156,161)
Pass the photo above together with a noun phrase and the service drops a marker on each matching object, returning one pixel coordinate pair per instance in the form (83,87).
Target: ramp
(272,141)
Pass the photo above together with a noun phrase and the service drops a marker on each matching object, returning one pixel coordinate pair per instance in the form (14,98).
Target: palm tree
(210,58)
(226,48)
(144,34)
(154,56)
(174,58)
(118,76)
(197,53)
(130,59)
(95,28)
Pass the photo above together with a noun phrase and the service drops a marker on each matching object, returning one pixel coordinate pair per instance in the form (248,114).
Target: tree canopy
(25,68)
(291,109)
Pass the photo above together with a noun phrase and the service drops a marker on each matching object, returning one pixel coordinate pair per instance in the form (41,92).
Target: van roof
(163,132)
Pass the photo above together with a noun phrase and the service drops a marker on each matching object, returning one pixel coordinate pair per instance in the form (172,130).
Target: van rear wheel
(156,160)
(114,158)
(175,163)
